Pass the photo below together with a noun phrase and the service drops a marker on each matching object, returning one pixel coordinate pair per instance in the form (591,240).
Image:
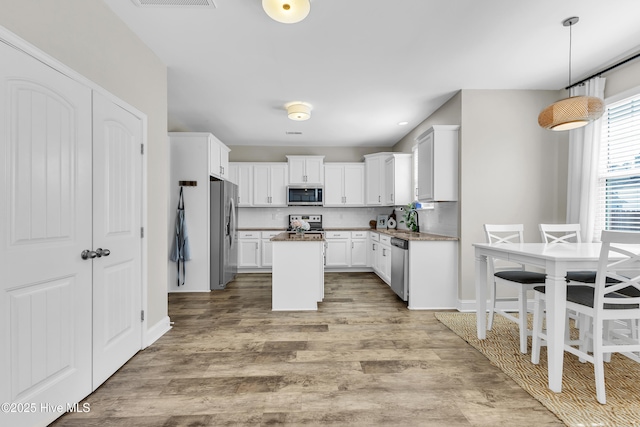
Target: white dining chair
(514,275)
(602,305)
(565,233)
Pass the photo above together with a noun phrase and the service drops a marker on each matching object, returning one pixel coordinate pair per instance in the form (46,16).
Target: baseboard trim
(470,305)
(156,331)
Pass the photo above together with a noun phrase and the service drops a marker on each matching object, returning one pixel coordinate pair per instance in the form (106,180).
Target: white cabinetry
(218,158)
(266,248)
(344,184)
(380,254)
(241,174)
(359,248)
(384,259)
(374,178)
(338,253)
(397,172)
(438,164)
(270,184)
(306,170)
(214,151)
(249,249)
(374,248)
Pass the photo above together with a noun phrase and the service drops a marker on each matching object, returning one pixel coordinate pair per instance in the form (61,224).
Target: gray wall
(512,171)
(87,37)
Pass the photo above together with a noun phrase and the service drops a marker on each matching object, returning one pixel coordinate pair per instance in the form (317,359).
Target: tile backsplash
(442,219)
(331,217)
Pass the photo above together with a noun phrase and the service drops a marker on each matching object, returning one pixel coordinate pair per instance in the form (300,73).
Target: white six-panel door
(117,324)
(45,224)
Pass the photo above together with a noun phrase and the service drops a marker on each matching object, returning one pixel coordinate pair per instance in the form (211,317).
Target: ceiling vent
(174,3)
(293,133)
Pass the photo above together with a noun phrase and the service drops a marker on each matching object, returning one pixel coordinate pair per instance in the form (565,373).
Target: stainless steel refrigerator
(224,233)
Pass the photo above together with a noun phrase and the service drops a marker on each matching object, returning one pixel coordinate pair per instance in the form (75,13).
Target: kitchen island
(298,271)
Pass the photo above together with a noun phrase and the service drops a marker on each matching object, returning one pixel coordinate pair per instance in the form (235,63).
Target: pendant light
(573,112)
(287,11)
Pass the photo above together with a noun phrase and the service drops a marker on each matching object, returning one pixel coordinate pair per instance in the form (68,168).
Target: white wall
(87,37)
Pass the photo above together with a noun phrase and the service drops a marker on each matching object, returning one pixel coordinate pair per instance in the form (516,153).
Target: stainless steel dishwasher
(400,267)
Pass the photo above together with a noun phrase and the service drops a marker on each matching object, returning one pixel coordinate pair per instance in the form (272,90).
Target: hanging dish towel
(180,249)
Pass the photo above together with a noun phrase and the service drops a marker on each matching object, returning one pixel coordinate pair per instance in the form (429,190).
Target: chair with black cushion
(602,305)
(569,233)
(513,275)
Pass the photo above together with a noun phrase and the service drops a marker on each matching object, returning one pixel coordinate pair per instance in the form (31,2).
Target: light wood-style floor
(363,359)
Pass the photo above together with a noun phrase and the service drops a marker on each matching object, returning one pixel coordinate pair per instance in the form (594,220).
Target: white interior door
(45,224)
(117,281)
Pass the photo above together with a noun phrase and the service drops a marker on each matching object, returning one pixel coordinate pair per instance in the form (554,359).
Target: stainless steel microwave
(300,195)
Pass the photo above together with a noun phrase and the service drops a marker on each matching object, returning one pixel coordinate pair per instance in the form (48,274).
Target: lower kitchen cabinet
(384,258)
(359,248)
(248,249)
(266,247)
(338,248)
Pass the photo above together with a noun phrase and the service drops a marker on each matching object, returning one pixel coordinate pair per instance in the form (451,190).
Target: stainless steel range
(315,222)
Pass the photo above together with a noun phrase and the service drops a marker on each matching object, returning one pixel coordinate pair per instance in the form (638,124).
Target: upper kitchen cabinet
(216,152)
(397,172)
(438,164)
(344,184)
(306,170)
(270,184)
(375,187)
(241,174)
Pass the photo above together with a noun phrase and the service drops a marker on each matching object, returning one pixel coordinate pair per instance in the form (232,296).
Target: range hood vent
(174,3)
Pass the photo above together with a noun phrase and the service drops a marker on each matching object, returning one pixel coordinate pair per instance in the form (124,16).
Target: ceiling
(365,65)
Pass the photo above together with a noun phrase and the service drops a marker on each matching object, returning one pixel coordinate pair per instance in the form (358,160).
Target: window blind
(619,169)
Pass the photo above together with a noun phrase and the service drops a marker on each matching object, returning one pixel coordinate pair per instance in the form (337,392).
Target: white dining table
(555,259)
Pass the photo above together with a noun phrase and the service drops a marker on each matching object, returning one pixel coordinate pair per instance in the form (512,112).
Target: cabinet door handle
(383,252)
(351,245)
(378,199)
(374,247)
(392,197)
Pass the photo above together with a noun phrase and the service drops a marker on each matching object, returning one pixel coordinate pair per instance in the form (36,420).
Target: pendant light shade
(287,11)
(298,111)
(573,112)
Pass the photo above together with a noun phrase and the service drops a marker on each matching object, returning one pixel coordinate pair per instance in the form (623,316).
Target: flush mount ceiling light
(573,112)
(287,11)
(298,111)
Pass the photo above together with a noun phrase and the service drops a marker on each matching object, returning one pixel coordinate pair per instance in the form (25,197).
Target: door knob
(102,252)
(87,254)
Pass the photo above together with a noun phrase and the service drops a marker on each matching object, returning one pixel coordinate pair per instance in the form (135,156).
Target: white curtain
(584,147)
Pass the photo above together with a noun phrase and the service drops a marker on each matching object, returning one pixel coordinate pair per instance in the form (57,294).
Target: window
(619,169)
(414,171)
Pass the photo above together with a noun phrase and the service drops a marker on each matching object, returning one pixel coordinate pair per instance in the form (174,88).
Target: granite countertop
(294,237)
(401,234)
(262,228)
(412,235)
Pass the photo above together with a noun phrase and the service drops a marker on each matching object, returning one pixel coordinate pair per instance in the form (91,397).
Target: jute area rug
(576,405)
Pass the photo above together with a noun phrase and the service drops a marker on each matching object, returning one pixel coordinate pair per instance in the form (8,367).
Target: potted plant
(410,217)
